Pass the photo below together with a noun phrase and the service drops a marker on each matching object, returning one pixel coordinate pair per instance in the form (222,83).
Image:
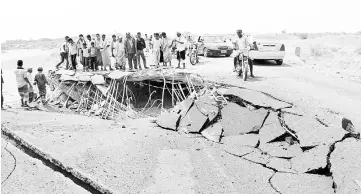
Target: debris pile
(111,95)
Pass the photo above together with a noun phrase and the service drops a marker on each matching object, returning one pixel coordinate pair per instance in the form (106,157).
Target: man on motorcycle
(240,44)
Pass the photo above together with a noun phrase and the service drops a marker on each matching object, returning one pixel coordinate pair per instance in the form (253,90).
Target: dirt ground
(324,82)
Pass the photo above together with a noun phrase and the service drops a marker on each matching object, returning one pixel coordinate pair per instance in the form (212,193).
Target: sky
(34,19)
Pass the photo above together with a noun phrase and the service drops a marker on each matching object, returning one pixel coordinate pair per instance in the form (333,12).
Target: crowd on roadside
(98,54)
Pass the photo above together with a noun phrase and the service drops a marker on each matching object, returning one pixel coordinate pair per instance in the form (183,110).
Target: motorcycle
(193,55)
(242,65)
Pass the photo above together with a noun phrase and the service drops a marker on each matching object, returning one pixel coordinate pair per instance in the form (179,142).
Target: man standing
(98,54)
(241,43)
(166,48)
(120,55)
(104,53)
(130,51)
(64,53)
(181,50)
(23,83)
(73,50)
(79,45)
(140,51)
(156,49)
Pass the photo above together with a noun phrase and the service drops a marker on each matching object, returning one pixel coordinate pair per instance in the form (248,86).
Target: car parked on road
(268,50)
(209,45)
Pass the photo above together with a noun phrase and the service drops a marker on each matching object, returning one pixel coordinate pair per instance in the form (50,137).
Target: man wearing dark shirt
(41,81)
(140,53)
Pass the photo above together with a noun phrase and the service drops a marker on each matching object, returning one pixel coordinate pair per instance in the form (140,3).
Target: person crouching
(41,81)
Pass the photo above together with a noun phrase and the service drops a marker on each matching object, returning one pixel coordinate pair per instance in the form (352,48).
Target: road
(144,159)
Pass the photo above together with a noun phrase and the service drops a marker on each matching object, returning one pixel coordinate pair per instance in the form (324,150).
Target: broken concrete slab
(281,149)
(258,156)
(194,120)
(347,125)
(209,110)
(168,120)
(256,98)
(313,159)
(213,132)
(97,79)
(310,132)
(280,164)
(271,129)
(288,183)
(237,150)
(237,120)
(183,107)
(346,165)
(245,140)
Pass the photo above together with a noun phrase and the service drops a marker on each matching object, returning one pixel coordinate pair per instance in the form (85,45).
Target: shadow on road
(269,63)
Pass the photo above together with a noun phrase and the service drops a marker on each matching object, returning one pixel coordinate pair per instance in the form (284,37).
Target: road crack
(269,181)
(9,175)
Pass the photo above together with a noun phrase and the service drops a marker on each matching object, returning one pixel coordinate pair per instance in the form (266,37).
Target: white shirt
(20,75)
(156,44)
(181,47)
(73,49)
(241,43)
(85,52)
(65,44)
(119,49)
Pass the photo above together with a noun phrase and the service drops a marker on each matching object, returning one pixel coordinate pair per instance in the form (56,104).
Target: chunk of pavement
(237,120)
(281,149)
(183,107)
(256,98)
(346,165)
(244,140)
(280,164)
(207,109)
(213,132)
(193,120)
(271,129)
(312,133)
(313,159)
(258,156)
(237,150)
(347,125)
(288,183)
(168,120)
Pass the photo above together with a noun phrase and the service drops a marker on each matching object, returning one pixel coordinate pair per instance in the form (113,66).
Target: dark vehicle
(213,46)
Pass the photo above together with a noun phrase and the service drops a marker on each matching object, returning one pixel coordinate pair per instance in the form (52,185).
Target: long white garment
(156,50)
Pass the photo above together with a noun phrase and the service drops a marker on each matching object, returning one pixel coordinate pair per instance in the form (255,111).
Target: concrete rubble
(310,132)
(237,120)
(313,159)
(271,129)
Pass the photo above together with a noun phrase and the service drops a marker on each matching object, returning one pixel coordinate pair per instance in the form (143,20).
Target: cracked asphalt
(145,159)
(21,173)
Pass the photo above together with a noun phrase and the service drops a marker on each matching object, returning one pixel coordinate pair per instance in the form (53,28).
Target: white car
(267,50)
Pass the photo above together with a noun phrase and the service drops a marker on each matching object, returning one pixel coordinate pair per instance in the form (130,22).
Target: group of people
(25,82)
(97,54)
